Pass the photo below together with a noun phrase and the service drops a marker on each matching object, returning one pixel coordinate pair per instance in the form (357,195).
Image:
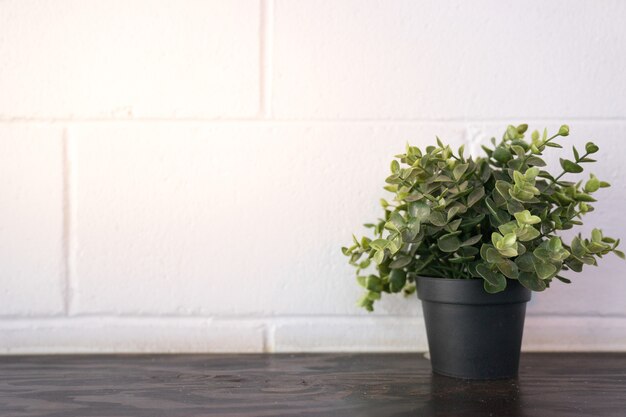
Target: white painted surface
(31,220)
(180,176)
(125,59)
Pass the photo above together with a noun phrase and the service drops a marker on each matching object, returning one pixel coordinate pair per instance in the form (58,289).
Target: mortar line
(65,220)
(304,120)
(473,133)
(271,337)
(266,43)
(68,224)
(264,338)
(272,319)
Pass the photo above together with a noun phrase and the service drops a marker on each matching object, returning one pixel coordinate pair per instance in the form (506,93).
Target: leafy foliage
(494,217)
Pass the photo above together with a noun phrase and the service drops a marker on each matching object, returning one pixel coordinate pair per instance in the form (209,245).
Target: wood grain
(559,385)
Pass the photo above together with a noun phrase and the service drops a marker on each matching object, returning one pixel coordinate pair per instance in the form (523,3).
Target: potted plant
(474,237)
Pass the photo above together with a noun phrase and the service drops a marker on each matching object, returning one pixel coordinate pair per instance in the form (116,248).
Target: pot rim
(468,291)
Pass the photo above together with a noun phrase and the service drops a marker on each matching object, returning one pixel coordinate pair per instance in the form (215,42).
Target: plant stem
(554,180)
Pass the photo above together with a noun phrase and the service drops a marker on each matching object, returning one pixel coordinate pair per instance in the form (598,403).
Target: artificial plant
(494,217)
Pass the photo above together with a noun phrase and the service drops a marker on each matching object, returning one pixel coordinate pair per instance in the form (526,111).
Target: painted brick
(332,335)
(124,59)
(230,218)
(116,335)
(31,220)
(574,334)
(449,59)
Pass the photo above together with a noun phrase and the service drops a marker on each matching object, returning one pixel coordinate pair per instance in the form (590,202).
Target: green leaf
(502,155)
(493,289)
(437,218)
(453,225)
(531,174)
(508,268)
(578,250)
(419,210)
(468,250)
(531,281)
(519,151)
(397,280)
(397,219)
(544,270)
(535,161)
(393,179)
(391,226)
(362,281)
(527,233)
(459,170)
(591,147)
(475,196)
(569,166)
(395,166)
(555,244)
(574,264)
(373,283)
(508,240)
(366,303)
(553,145)
(510,227)
(413,229)
(584,197)
(496,238)
(442,178)
(499,216)
(542,253)
(511,132)
(472,240)
(596,235)
(400,262)
(563,279)
(494,281)
(452,212)
(592,185)
(395,244)
(525,262)
(535,135)
(372,295)
(379,256)
(503,188)
(492,256)
(379,244)
(508,252)
(524,217)
(449,243)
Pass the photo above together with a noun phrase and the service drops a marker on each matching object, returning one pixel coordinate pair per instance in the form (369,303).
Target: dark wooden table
(558,385)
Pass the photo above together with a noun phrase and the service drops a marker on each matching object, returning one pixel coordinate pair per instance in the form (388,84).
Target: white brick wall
(180,175)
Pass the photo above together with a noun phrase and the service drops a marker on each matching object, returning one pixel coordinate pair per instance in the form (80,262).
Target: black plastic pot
(473,334)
